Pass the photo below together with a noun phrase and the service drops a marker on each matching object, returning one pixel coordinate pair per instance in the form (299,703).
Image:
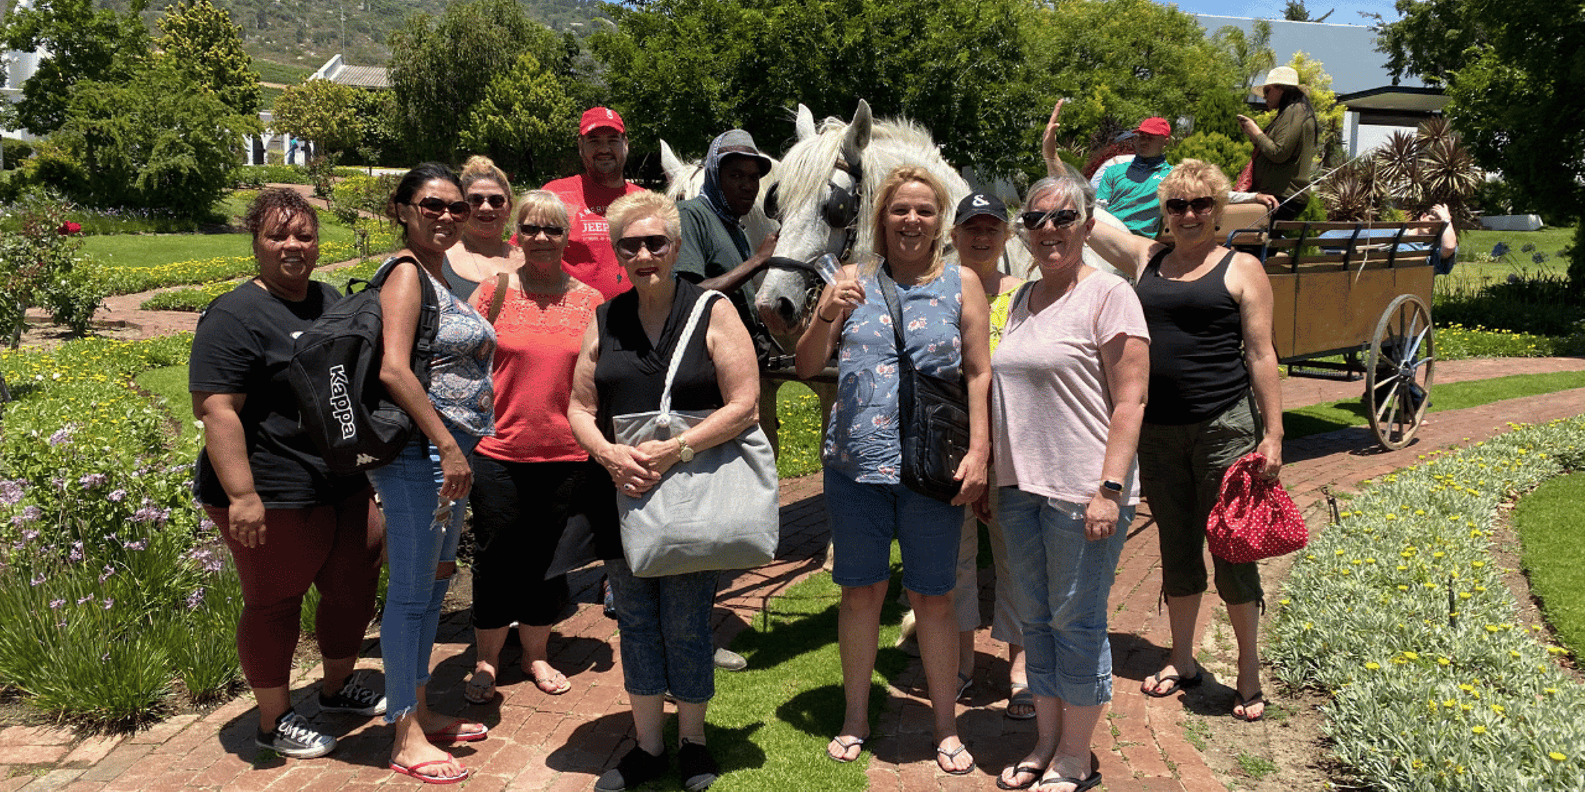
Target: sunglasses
(528,231)
(495,201)
(1178,206)
(656,243)
(1061,217)
(433,208)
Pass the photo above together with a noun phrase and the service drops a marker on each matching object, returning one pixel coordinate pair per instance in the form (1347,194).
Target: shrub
(361,193)
(40,267)
(1399,613)
(15,151)
(1216,148)
(260,175)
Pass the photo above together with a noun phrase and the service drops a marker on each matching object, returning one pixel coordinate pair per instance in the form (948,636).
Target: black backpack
(335,373)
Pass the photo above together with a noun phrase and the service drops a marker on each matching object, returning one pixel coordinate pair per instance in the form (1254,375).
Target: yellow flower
(1373,666)
(1479,730)
(1556,756)
(1444,661)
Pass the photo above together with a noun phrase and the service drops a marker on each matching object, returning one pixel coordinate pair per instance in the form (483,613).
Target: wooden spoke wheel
(1398,372)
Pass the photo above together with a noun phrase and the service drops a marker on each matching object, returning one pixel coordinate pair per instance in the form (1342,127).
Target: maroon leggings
(337,549)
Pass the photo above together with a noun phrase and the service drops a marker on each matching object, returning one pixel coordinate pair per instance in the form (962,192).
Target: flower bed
(131,280)
(113,588)
(1398,611)
(197,298)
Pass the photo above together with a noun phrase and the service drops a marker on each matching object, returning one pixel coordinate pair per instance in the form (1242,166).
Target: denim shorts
(667,644)
(865,517)
(1060,580)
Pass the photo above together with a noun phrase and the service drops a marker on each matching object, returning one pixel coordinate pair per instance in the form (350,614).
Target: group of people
(561,308)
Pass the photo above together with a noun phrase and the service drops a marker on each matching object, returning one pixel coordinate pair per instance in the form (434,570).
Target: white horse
(824,196)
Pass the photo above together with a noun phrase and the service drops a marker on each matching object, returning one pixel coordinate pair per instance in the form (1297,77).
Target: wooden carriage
(1352,301)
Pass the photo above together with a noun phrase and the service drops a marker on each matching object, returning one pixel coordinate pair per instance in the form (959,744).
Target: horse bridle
(840,210)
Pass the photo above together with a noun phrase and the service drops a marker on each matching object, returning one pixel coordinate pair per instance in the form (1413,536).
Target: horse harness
(841,207)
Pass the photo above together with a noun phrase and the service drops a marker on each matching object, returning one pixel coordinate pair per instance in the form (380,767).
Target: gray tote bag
(719,511)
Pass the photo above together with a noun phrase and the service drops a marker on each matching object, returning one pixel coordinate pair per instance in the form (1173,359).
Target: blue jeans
(667,643)
(421,531)
(865,517)
(1060,581)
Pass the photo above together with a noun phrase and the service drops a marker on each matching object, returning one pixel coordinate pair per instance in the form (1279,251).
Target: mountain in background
(307,32)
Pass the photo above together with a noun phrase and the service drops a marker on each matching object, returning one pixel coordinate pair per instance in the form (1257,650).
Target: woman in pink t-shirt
(1068,397)
(532,476)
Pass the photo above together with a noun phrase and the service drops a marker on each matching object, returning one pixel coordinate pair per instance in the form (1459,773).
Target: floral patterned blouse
(459,372)
(861,439)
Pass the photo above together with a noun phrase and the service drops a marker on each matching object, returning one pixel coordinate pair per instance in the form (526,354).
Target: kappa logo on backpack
(335,374)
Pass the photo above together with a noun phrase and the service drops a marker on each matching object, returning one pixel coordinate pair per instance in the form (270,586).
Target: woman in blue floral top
(946,320)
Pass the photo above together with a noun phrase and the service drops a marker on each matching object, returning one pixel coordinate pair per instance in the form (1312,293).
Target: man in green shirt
(1128,191)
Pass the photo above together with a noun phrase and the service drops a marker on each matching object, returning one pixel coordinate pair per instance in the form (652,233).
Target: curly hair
(637,206)
(1194,178)
(277,205)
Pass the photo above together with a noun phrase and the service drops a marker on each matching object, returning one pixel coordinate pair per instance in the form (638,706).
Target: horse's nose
(785,309)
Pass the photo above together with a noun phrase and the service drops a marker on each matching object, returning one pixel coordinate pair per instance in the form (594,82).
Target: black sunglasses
(495,201)
(656,243)
(433,208)
(1061,217)
(1178,206)
(528,231)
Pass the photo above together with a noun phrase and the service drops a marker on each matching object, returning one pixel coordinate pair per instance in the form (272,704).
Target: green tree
(441,67)
(1250,54)
(1517,85)
(687,69)
(84,45)
(155,141)
(524,119)
(322,111)
(201,39)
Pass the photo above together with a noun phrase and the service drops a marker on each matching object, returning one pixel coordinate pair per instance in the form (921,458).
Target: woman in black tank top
(665,621)
(1214,397)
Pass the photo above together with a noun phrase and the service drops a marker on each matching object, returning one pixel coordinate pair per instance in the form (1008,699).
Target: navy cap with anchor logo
(980,204)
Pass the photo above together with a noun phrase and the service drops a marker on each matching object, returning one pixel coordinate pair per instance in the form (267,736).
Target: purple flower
(92,480)
(116,495)
(77,552)
(88,598)
(141,544)
(63,435)
(58,483)
(108,603)
(11,491)
(108,571)
(37,580)
(151,513)
(29,514)
(195,599)
(55,604)
(205,525)
(30,534)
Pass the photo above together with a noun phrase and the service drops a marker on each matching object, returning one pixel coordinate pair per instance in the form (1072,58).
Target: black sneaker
(697,767)
(294,737)
(353,698)
(638,767)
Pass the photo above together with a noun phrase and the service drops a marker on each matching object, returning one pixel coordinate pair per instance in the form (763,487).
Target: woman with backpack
(289,522)
(424,490)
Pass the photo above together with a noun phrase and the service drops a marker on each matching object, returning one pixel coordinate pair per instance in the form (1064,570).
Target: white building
(18,67)
(1376,107)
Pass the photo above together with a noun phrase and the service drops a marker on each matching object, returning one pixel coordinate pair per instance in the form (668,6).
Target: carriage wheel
(1398,373)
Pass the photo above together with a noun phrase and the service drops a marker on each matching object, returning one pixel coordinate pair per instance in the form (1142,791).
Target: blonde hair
(1194,178)
(546,203)
(480,168)
(637,206)
(883,198)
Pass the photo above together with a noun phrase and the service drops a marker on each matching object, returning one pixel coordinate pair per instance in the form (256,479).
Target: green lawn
(1547,521)
(1319,418)
(153,250)
(170,384)
(284,73)
(1548,241)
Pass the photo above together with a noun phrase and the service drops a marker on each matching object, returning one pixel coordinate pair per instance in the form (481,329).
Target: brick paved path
(546,742)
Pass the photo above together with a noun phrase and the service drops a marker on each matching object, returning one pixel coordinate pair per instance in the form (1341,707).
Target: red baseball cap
(1155,125)
(596,117)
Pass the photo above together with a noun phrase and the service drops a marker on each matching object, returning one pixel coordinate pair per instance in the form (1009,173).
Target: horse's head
(818,197)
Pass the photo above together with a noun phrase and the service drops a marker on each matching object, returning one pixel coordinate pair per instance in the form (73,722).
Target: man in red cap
(1128,191)
(602,145)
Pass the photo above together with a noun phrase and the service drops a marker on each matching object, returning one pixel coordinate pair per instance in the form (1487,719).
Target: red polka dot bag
(1253,518)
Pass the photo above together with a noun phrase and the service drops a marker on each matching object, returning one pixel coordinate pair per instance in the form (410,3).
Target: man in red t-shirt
(602,145)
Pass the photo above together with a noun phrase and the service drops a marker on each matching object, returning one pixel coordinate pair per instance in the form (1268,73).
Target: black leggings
(520,510)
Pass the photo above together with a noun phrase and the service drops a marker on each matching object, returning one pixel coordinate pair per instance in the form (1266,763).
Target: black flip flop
(1258,698)
(1178,683)
(1032,769)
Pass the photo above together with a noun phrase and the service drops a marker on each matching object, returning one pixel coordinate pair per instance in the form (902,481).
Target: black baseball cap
(980,203)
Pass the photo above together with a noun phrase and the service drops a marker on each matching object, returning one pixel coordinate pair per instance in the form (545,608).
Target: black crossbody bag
(934,416)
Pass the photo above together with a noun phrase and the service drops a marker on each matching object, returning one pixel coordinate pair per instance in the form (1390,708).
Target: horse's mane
(893,142)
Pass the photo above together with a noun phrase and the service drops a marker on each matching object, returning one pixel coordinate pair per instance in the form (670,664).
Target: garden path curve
(562,743)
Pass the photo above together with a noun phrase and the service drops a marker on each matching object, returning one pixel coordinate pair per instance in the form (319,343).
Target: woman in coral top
(531,476)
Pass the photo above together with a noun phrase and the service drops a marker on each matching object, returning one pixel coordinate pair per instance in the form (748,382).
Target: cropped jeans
(421,532)
(1060,582)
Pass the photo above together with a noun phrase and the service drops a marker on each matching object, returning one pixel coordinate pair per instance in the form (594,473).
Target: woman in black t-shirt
(290,522)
